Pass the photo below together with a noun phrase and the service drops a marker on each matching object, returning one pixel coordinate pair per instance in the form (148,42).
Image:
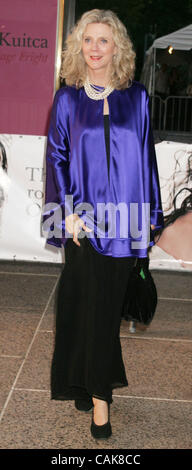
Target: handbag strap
(142,267)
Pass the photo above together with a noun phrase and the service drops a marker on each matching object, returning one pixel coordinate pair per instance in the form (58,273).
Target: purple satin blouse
(118,206)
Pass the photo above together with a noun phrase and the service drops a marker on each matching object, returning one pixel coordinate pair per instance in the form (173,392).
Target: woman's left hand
(74,224)
(152,227)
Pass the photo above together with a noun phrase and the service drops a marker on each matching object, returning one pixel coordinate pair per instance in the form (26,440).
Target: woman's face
(98,46)
(176,240)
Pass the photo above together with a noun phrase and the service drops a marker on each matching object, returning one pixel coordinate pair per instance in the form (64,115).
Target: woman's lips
(95,58)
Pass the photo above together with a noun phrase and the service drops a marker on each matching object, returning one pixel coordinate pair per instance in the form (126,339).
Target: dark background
(145,19)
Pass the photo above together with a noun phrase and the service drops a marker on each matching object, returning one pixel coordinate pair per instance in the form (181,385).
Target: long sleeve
(57,169)
(77,168)
(156,213)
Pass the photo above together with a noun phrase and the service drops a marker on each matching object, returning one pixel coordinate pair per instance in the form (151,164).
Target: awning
(180,39)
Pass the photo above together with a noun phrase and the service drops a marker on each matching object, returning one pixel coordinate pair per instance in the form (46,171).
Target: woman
(176,189)
(176,237)
(101,155)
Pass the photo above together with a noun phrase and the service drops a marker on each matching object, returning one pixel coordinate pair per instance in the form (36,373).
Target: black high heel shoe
(102,431)
(84,404)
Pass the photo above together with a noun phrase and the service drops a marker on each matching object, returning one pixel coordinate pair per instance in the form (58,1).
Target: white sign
(22,179)
(174,249)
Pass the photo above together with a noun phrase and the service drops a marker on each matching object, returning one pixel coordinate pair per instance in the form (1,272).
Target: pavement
(153,412)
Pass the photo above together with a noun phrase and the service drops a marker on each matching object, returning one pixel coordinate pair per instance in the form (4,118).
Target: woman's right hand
(74,224)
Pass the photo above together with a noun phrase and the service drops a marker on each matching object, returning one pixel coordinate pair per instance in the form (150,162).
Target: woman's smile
(95,57)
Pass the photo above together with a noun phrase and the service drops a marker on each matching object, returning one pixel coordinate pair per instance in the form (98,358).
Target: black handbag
(141,295)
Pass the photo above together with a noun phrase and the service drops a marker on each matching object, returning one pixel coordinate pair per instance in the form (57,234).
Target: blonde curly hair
(73,68)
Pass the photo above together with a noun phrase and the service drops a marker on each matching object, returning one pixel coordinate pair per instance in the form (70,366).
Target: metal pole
(69,18)
(153,86)
(154,65)
(60,18)
(65,22)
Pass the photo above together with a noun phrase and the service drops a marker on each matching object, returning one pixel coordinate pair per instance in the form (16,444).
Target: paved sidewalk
(153,412)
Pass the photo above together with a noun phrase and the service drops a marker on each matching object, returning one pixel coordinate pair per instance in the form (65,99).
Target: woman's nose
(94,46)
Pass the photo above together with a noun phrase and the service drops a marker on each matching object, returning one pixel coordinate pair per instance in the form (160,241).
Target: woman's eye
(102,40)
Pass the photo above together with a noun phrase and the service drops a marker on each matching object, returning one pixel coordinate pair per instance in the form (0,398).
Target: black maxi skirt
(87,359)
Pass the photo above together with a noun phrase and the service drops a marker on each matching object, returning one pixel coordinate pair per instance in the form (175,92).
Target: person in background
(162,82)
(173,82)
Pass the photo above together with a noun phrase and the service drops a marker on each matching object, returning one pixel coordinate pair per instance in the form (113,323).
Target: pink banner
(28,30)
